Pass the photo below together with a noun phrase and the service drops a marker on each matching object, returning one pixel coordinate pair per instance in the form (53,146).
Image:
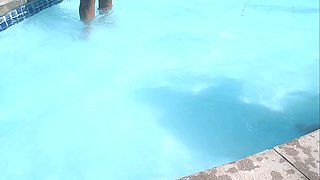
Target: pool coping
(298,159)
(8,5)
(15,11)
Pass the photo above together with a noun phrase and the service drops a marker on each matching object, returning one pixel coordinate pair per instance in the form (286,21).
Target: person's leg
(105,5)
(87,9)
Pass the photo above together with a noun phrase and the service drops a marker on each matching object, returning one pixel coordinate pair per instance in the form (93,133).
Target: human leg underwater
(87,9)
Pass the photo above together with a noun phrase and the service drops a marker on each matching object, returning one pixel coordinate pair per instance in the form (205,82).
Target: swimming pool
(156,89)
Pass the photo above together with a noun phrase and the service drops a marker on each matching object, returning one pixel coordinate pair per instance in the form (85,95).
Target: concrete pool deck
(298,159)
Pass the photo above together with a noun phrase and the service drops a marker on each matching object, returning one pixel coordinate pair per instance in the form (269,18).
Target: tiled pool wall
(15,11)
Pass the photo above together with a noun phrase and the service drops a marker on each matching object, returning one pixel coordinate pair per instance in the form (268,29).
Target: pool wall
(15,11)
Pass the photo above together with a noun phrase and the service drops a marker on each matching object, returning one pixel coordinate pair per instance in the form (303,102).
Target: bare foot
(105,6)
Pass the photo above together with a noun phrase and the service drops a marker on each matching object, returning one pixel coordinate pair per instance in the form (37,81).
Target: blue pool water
(157,89)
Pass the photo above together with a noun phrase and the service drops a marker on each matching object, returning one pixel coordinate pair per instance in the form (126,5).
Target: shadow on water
(216,122)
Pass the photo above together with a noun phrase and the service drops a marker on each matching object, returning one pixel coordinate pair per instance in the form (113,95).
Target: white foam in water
(157,89)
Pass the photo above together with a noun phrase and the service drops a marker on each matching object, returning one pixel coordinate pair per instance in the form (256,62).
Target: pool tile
(3,26)
(14,13)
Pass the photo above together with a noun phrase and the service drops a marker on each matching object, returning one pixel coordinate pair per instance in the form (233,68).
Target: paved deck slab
(298,159)
(265,165)
(303,153)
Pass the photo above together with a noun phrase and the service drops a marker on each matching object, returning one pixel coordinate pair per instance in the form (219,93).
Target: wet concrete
(298,159)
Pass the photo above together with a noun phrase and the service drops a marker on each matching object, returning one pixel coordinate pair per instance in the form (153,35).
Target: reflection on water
(217,122)
(279,8)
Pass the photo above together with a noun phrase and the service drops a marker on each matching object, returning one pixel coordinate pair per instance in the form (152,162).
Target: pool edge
(18,10)
(297,159)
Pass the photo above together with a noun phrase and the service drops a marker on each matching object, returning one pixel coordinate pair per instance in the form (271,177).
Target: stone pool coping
(298,159)
(15,11)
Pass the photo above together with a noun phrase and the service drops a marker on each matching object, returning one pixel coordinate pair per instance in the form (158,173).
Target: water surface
(156,89)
